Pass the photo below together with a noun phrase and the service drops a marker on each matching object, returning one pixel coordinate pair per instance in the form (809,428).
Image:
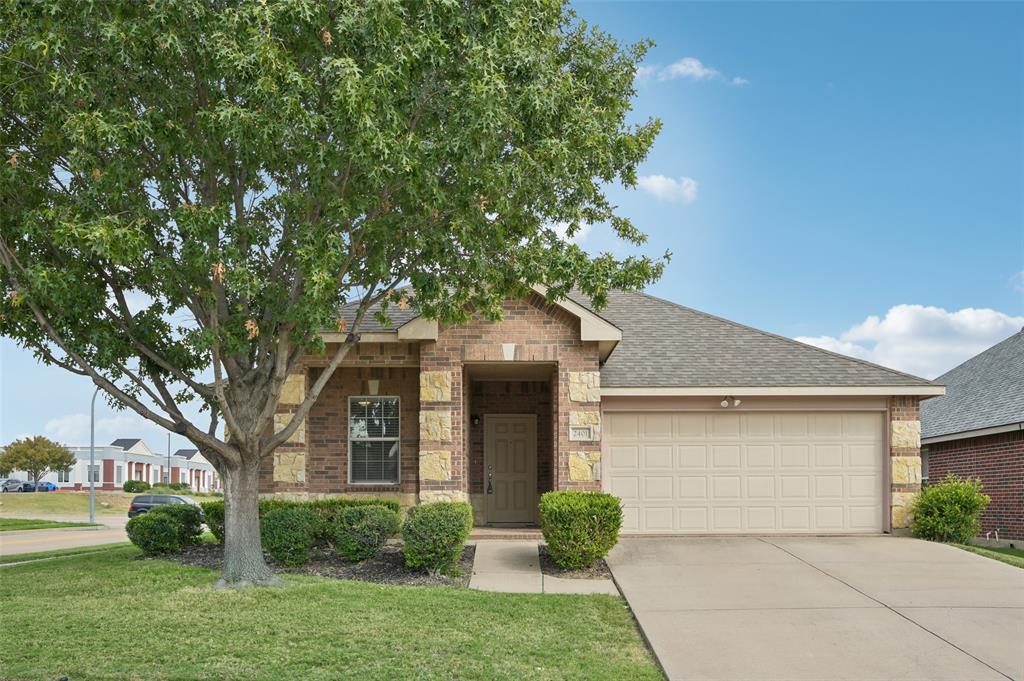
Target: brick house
(977,431)
(699,424)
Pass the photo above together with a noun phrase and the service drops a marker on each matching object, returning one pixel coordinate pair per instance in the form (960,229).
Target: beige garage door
(756,472)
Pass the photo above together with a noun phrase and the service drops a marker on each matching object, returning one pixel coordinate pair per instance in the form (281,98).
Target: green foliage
(435,535)
(179,486)
(213,516)
(36,456)
(135,486)
(288,535)
(155,533)
(189,519)
(359,532)
(579,527)
(949,511)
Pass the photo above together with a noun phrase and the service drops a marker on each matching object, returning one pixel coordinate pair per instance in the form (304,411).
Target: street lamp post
(92,459)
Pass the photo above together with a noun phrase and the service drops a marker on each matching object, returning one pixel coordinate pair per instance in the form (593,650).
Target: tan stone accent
(294,389)
(290,467)
(428,496)
(435,465)
(901,515)
(586,418)
(435,386)
(282,420)
(906,470)
(906,434)
(435,426)
(585,386)
(584,466)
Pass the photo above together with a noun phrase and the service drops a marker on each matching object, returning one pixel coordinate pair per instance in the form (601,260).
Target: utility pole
(92,459)
(168,458)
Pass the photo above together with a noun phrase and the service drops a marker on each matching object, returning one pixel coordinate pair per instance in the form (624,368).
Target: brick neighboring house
(699,424)
(977,431)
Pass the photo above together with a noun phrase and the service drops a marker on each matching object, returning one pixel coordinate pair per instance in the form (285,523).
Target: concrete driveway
(823,608)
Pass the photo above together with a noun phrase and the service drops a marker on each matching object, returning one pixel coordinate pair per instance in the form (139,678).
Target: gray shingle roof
(668,345)
(984,392)
(370,324)
(186,453)
(125,442)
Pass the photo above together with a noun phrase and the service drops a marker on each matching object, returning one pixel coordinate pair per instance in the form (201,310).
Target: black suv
(145,502)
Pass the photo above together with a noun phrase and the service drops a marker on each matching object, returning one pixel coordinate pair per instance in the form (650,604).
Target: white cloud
(74,428)
(562,229)
(922,340)
(668,188)
(690,68)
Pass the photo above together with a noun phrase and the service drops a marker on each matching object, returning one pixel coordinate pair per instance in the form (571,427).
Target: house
(699,424)
(977,431)
(131,459)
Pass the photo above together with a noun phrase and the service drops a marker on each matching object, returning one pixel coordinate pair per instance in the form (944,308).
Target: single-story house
(131,459)
(699,424)
(977,430)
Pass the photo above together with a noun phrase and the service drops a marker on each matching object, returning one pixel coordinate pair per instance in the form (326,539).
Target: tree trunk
(243,551)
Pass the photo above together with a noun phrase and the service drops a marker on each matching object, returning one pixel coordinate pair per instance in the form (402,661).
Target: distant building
(131,459)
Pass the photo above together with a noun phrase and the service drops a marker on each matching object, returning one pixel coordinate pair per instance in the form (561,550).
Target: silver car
(11,485)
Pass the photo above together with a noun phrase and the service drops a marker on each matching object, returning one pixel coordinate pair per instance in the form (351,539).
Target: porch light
(725,402)
(475,419)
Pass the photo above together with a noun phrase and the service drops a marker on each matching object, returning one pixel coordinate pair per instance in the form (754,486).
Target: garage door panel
(706,472)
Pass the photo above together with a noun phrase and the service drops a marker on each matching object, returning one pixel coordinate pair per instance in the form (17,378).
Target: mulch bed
(388,567)
(598,570)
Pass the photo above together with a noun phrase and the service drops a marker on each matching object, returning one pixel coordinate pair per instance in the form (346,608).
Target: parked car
(11,485)
(27,486)
(45,486)
(144,502)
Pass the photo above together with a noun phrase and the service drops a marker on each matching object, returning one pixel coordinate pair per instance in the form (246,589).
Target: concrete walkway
(856,608)
(514,567)
(31,541)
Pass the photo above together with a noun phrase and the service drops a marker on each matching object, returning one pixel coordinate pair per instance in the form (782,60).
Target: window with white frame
(94,474)
(118,474)
(64,475)
(373,440)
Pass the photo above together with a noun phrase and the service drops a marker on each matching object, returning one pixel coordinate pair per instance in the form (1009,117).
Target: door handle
(490,479)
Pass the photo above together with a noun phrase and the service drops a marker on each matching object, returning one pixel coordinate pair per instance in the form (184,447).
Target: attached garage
(757,472)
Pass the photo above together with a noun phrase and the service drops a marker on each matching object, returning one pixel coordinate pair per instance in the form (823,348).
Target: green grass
(28,504)
(60,553)
(12,524)
(1014,557)
(311,628)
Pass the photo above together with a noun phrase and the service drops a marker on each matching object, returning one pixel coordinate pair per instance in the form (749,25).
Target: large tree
(37,456)
(193,189)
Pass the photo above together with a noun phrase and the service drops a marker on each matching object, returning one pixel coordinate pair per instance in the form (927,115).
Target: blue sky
(851,174)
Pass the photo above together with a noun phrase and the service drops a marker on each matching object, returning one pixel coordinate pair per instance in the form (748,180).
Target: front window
(94,474)
(373,440)
(119,473)
(64,475)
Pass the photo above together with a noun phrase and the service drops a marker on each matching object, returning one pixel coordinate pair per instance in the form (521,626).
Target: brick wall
(511,397)
(904,456)
(999,461)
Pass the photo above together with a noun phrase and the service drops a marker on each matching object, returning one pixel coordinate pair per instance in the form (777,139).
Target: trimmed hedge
(435,535)
(288,535)
(189,519)
(579,527)
(325,509)
(359,532)
(949,511)
(155,533)
(135,486)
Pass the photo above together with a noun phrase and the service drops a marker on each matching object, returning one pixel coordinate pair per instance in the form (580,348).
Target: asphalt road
(31,541)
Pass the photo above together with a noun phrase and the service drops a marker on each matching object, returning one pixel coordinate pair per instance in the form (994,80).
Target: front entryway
(510,467)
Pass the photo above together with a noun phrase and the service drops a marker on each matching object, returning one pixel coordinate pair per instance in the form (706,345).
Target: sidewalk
(514,567)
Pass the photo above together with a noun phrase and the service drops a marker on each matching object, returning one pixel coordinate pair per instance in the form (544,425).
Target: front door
(510,468)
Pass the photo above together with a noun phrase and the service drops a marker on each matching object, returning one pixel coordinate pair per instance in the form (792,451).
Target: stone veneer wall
(531,331)
(904,456)
(999,461)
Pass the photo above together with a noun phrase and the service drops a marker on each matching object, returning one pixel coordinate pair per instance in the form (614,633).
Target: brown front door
(510,468)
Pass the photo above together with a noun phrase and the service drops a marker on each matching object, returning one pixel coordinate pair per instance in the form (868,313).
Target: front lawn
(68,503)
(1009,556)
(12,524)
(59,553)
(119,616)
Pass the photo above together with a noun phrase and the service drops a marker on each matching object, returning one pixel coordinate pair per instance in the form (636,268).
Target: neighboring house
(131,459)
(699,424)
(977,431)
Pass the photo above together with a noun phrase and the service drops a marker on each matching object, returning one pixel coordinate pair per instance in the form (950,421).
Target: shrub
(358,532)
(135,486)
(213,516)
(155,533)
(435,535)
(178,485)
(288,535)
(189,519)
(579,527)
(949,511)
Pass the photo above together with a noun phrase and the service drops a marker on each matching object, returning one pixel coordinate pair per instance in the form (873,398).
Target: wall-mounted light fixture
(372,386)
(730,401)
(475,419)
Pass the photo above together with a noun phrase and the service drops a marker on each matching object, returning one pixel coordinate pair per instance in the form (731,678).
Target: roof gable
(986,391)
